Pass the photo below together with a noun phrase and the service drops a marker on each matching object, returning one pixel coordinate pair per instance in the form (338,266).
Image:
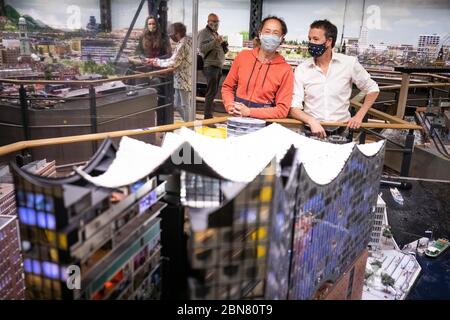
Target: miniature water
(434,282)
(426,207)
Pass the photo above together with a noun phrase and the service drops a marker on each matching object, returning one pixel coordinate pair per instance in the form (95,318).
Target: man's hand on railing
(356,121)
(317,129)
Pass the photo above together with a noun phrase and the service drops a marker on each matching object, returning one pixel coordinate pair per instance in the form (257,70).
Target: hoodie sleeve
(283,100)
(230,84)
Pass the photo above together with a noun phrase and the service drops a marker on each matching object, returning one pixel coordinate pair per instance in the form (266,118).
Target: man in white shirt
(323,83)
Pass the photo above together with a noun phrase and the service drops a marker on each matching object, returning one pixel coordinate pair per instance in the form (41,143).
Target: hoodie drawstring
(265,76)
(251,74)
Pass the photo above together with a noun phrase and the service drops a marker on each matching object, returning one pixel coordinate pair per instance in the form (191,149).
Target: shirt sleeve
(173,62)
(231,82)
(299,90)
(361,78)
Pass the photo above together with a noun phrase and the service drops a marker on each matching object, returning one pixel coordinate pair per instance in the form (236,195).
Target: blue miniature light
(39,199)
(51,221)
(27,265)
(51,270)
(49,205)
(41,221)
(27,216)
(36,267)
(30,200)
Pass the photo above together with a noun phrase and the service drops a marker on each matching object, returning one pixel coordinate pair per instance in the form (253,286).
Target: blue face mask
(270,42)
(316,50)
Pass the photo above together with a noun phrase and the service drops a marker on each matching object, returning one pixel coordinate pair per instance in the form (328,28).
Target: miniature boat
(437,247)
(397,196)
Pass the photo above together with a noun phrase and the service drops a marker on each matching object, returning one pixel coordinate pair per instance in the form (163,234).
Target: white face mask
(270,42)
(151,28)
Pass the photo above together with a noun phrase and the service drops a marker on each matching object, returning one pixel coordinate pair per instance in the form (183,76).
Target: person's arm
(135,60)
(230,84)
(315,126)
(367,85)
(206,42)
(170,62)
(296,110)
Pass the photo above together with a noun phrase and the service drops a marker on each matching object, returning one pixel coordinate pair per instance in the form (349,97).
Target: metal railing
(24,99)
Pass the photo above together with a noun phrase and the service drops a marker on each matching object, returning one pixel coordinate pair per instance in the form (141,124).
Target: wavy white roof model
(238,159)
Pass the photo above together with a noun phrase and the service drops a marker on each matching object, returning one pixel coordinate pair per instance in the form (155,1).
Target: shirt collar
(334,57)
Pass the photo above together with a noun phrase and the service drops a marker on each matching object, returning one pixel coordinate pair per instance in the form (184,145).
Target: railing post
(165,115)
(24,111)
(430,102)
(25,157)
(391,109)
(403,95)
(191,114)
(407,154)
(93,113)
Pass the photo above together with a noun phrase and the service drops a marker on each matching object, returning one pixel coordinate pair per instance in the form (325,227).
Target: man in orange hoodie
(260,82)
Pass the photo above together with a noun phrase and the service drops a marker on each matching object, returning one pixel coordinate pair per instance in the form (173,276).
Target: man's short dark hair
(329,28)
(284,28)
(180,28)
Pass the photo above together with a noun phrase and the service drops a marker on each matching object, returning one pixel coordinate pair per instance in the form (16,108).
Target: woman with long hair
(154,43)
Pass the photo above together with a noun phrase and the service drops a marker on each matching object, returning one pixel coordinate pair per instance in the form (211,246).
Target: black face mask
(316,50)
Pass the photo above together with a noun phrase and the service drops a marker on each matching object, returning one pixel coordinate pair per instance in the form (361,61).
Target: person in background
(153,43)
(260,81)
(213,48)
(323,84)
(181,60)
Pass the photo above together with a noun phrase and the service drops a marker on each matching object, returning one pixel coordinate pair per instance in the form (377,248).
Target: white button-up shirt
(326,97)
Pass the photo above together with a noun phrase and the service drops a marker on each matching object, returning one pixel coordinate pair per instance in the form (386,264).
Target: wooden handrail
(432,75)
(18,146)
(90,82)
(407,125)
(429,85)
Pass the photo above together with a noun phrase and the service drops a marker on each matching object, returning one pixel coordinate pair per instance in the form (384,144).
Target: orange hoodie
(269,85)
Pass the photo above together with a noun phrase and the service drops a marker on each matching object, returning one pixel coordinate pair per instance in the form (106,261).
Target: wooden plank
(378,114)
(403,97)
